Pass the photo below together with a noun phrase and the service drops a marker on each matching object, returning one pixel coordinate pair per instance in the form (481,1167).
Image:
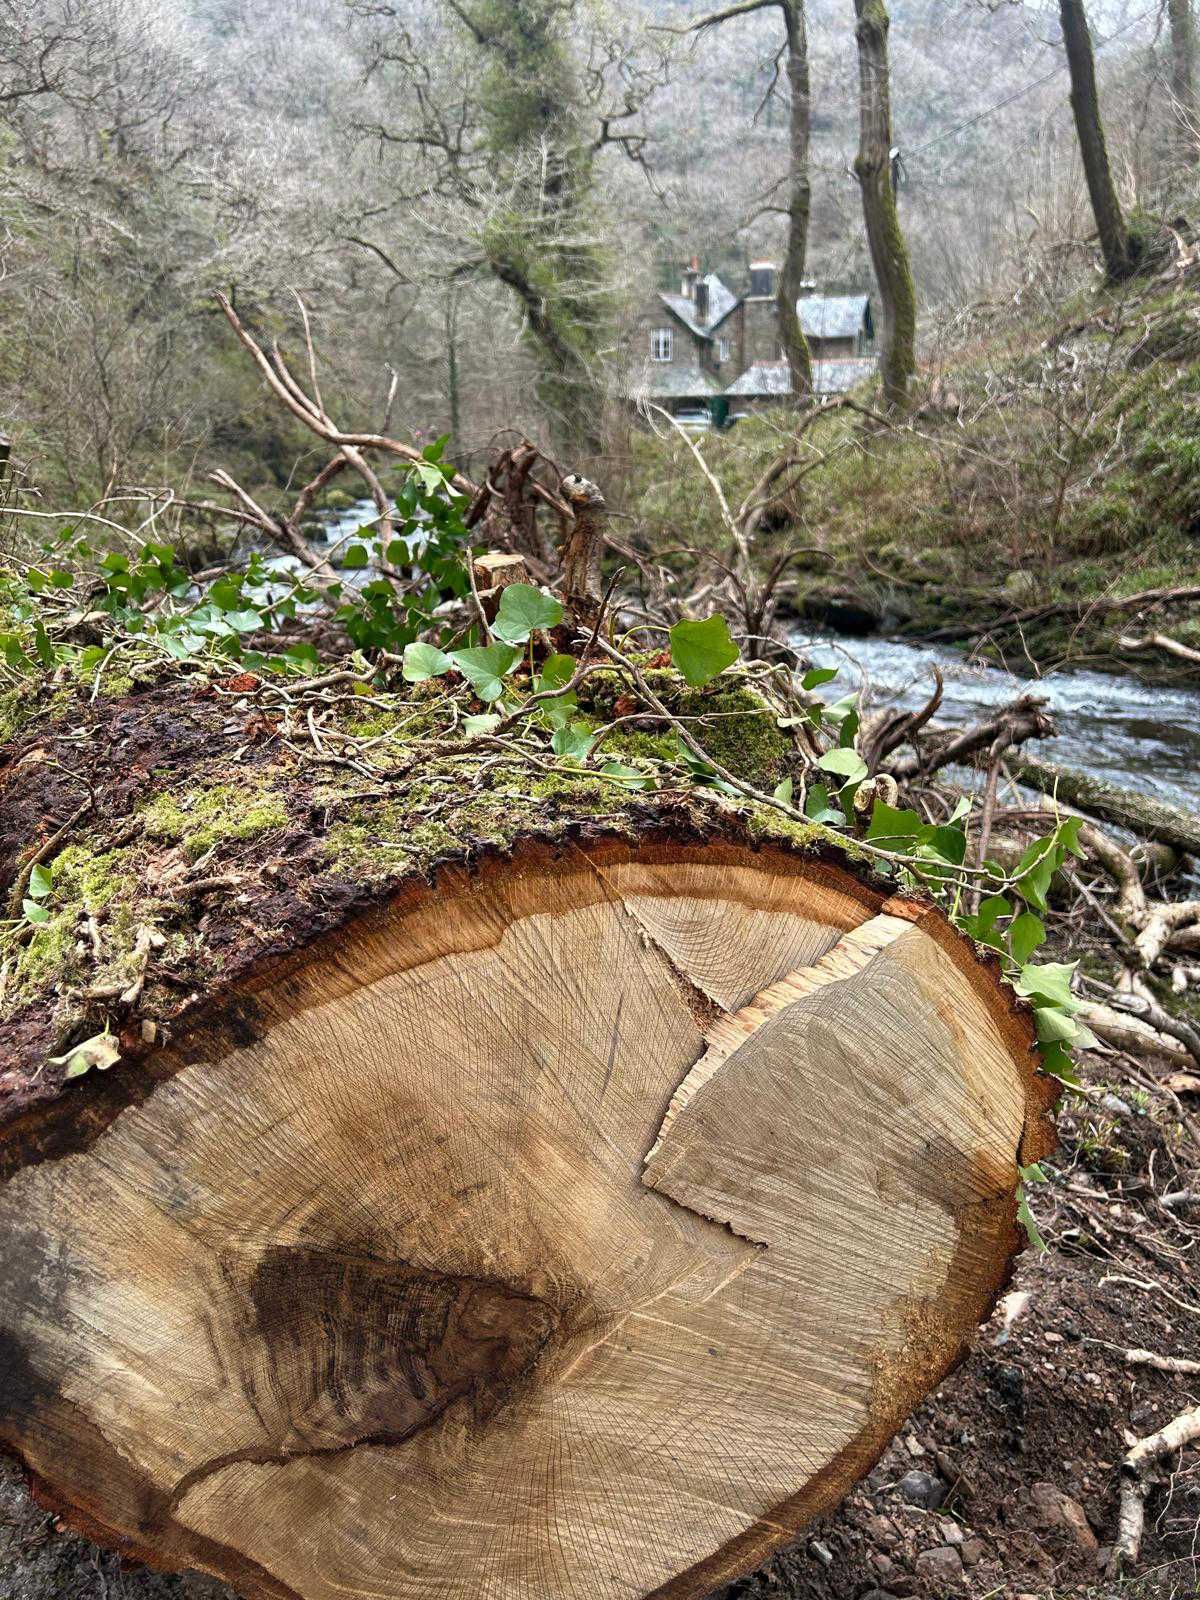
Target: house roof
(721,302)
(773,379)
(661,381)
(834,316)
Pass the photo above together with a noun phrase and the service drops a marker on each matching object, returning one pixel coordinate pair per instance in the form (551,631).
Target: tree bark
(791,277)
(1183,79)
(873,169)
(1116,245)
(574,1219)
(799,183)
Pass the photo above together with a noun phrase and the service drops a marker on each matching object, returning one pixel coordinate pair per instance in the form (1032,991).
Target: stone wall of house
(834,349)
(762,330)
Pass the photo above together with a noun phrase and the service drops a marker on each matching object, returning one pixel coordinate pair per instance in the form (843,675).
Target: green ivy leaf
(893,828)
(1055,1026)
(304,656)
(34,912)
(783,791)
(523,610)
(424,661)
(818,808)
(485,722)
(846,763)
(702,650)
(574,740)
(484,668)
(41,881)
(816,676)
(947,843)
(355,555)
(1024,936)
(630,777)
(1048,983)
(557,671)
(1025,1218)
(1056,1061)
(982,924)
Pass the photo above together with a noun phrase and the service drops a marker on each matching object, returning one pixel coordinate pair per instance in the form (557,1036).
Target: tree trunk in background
(799,184)
(873,169)
(453,397)
(573,1219)
(791,277)
(1115,243)
(1183,78)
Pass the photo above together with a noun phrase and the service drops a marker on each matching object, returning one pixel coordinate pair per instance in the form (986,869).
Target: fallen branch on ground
(1160,641)
(1135,1485)
(1024,718)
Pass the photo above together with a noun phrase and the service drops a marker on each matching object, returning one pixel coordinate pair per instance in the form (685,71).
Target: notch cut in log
(579,1227)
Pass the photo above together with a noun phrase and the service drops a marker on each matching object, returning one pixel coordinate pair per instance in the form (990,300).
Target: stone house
(708,344)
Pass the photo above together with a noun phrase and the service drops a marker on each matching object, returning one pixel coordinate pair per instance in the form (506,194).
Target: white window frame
(724,349)
(662,344)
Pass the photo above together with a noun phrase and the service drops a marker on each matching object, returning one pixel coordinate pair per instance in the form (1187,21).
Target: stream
(1139,735)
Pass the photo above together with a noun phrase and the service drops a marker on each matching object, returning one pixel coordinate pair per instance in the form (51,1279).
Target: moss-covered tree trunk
(799,199)
(1183,79)
(1116,246)
(873,169)
(467,1177)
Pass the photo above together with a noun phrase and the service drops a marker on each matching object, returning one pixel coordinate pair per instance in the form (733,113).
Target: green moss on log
(201,819)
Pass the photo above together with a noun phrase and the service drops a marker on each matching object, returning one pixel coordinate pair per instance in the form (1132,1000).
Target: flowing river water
(1139,735)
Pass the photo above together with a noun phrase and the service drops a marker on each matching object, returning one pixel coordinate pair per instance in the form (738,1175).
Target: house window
(722,349)
(660,344)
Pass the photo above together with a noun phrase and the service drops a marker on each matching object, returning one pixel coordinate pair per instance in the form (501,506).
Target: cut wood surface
(498,1192)
(580,1227)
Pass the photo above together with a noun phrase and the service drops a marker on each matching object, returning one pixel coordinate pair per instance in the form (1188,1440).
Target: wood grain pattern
(579,1230)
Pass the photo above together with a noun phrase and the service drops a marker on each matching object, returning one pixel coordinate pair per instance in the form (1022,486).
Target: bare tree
(505,128)
(1116,245)
(873,169)
(1183,78)
(798,181)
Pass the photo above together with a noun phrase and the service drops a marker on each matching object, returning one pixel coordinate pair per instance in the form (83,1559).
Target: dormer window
(661,340)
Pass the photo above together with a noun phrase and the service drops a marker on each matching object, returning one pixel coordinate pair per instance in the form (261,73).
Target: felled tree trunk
(572,1219)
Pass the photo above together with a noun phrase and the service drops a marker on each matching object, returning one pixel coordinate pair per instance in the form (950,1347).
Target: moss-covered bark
(222,829)
(799,201)
(873,169)
(1116,242)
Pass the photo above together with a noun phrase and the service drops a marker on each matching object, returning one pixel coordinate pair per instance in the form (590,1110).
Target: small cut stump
(572,1227)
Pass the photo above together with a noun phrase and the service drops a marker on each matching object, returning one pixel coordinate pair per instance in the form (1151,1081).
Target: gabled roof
(773,379)
(834,316)
(721,302)
(661,381)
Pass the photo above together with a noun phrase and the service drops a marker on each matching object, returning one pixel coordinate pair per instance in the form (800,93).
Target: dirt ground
(1004,1485)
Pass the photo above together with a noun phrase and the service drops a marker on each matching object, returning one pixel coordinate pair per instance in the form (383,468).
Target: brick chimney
(760,315)
(700,295)
(691,276)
